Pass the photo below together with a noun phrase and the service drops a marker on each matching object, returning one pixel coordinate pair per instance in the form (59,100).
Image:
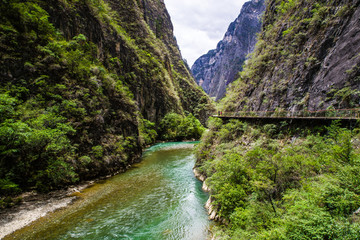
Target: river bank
(34,205)
(166,170)
(211,210)
(208,206)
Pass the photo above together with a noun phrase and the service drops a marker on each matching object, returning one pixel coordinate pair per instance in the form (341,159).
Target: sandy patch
(35,206)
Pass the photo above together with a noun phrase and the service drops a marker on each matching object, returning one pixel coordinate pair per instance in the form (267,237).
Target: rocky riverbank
(36,205)
(208,206)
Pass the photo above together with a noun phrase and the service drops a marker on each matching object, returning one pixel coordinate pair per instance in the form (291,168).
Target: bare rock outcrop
(219,67)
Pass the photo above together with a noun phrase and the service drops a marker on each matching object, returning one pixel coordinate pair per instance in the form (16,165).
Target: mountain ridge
(219,67)
(302,60)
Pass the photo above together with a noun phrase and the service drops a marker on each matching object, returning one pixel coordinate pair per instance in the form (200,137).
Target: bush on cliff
(176,127)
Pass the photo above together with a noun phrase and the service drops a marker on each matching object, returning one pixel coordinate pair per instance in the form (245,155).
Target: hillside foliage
(52,94)
(72,105)
(283,180)
(174,126)
(277,181)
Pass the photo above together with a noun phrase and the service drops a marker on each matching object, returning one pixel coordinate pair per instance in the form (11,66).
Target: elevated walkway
(345,116)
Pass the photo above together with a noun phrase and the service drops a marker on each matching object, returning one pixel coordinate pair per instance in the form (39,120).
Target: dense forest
(85,87)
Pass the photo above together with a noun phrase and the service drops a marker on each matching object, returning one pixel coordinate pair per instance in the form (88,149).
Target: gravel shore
(35,206)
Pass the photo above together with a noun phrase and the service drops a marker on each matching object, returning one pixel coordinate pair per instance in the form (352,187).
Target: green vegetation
(173,127)
(53,91)
(277,181)
(176,127)
(79,83)
(148,132)
(281,182)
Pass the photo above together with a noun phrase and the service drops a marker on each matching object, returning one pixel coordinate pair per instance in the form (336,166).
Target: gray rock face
(216,69)
(340,69)
(302,61)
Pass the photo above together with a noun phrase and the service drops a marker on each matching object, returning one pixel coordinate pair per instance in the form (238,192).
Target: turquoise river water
(158,198)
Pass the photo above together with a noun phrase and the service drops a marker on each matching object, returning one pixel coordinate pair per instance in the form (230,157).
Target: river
(158,198)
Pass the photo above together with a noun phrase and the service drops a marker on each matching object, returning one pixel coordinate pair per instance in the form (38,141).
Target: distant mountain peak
(219,67)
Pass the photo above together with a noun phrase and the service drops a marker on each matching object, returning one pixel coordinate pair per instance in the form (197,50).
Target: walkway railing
(329,113)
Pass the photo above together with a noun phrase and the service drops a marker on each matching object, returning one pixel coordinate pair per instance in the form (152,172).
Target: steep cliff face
(78,80)
(218,68)
(140,35)
(307,57)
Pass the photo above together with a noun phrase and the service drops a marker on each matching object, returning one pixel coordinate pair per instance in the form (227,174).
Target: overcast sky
(200,24)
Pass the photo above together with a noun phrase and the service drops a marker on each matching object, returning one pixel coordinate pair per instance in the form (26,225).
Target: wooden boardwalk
(351,116)
(285,118)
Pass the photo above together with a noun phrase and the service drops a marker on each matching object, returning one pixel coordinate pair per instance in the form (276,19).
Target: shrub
(7,187)
(147,132)
(175,127)
(97,151)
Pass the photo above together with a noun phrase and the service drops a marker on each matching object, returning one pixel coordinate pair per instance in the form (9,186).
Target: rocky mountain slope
(80,81)
(307,57)
(288,179)
(219,67)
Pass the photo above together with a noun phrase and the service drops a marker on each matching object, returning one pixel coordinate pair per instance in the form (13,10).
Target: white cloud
(200,24)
